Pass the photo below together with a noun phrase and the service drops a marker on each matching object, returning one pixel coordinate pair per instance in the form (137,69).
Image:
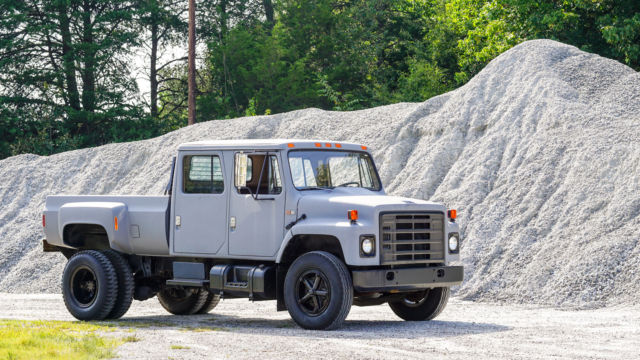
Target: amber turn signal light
(115,223)
(452,214)
(352,215)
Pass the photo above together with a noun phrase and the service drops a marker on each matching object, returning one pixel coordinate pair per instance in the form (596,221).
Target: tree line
(67,67)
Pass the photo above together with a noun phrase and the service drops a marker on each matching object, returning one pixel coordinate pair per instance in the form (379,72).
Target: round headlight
(367,246)
(453,243)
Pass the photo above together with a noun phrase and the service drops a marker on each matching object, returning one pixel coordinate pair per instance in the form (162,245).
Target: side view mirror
(241,170)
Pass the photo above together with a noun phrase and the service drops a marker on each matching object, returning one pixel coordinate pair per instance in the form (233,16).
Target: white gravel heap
(540,154)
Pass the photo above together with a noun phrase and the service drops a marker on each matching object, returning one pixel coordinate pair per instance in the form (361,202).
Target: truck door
(200,207)
(257,210)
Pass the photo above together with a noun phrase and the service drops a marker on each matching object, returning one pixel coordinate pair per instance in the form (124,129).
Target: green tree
(65,71)
(608,27)
(164,27)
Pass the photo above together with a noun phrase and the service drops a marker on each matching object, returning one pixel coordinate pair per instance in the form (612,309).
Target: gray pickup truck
(306,223)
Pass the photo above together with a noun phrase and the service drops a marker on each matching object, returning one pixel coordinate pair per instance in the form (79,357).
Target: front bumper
(407,279)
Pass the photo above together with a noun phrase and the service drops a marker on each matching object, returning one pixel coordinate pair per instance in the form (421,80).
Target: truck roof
(268,144)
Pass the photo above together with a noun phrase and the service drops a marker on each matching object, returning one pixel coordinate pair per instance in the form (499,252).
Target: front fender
(347,233)
(99,213)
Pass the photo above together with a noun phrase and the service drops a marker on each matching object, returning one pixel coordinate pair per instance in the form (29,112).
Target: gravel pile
(540,154)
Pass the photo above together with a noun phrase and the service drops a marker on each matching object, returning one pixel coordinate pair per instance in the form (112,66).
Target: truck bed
(142,226)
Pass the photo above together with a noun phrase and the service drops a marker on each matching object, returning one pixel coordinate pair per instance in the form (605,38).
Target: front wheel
(318,291)
(421,306)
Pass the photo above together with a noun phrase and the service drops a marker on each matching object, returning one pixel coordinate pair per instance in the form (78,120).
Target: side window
(270,181)
(275,184)
(202,174)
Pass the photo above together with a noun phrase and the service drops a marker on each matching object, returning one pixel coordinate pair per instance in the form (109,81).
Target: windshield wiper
(315,188)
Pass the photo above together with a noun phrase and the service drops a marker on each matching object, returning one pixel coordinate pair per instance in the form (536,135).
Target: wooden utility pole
(192,62)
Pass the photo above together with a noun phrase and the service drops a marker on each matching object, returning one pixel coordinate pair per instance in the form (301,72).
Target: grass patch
(54,340)
(179,347)
(131,339)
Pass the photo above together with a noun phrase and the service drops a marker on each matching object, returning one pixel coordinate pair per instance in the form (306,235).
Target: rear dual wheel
(422,306)
(97,285)
(187,301)
(126,284)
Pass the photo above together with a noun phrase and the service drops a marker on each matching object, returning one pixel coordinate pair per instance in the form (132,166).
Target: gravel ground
(239,330)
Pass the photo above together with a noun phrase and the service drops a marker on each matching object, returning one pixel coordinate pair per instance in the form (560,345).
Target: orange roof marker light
(290,145)
(327,144)
(318,145)
(338,146)
(364,147)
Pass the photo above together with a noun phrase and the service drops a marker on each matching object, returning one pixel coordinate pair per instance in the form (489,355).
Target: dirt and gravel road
(237,329)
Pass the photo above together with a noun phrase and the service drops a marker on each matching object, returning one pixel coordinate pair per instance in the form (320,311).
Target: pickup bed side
(140,229)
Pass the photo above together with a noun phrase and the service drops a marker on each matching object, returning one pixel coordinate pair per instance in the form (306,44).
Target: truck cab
(303,222)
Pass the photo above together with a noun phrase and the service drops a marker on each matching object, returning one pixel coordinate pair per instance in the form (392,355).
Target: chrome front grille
(407,238)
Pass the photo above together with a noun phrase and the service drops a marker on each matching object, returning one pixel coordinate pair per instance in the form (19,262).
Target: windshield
(326,169)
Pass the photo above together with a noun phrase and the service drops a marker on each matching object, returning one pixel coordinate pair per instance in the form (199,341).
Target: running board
(187,282)
(254,282)
(188,274)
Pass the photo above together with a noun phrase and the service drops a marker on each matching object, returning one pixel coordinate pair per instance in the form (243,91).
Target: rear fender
(104,214)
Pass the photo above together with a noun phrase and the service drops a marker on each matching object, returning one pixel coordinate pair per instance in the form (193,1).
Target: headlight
(454,243)
(367,245)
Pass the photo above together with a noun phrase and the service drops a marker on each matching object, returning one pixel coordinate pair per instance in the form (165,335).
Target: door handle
(178,221)
(232,223)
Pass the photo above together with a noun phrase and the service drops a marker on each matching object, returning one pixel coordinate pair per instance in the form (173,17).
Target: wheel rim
(415,299)
(313,292)
(84,286)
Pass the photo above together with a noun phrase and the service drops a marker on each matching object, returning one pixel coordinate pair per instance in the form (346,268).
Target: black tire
(182,301)
(126,284)
(89,285)
(318,291)
(422,306)
(209,304)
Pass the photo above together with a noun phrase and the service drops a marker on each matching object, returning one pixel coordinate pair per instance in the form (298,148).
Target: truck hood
(336,203)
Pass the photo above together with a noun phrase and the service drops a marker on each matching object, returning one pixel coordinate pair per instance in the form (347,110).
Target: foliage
(66,75)
(607,27)
(65,79)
